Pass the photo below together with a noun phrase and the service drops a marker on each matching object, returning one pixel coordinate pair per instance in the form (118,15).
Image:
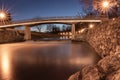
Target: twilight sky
(24,9)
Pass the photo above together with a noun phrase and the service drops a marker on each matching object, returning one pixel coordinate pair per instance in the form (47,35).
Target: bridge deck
(65,20)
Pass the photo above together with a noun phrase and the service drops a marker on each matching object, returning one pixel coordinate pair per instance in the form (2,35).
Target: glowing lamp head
(91,26)
(2,15)
(105,4)
(81,31)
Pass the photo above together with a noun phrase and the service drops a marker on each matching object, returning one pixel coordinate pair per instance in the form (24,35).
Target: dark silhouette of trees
(66,28)
(53,28)
(38,28)
(49,27)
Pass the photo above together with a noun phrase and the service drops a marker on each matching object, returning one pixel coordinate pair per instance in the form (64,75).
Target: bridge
(27,23)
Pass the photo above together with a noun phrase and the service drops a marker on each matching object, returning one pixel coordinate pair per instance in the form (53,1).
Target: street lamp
(2,15)
(5,17)
(105,4)
(91,26)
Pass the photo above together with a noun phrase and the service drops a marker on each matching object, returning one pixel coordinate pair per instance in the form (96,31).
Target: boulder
(105,37)
(109,63)
(114,76)
(91,73)
(76,76)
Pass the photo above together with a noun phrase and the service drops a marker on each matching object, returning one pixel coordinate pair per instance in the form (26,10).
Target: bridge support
(27,33)
(73,31)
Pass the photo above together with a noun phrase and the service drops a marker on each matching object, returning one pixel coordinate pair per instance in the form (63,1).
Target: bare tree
(39,28)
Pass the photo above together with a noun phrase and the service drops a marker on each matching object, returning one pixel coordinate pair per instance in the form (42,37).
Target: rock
(117,49)
(114,76)
(90,73)
(76,76)
(105,37)
(110,63)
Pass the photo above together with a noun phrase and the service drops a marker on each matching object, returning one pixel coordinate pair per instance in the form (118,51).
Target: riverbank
(105,39)
(13,36)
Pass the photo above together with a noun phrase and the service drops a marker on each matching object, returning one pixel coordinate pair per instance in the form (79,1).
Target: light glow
(2,15)
(91,25)
(81,31)
(5,64)
(105,4)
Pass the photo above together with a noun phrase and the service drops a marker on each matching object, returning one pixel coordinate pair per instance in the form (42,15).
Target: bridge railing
(48,18)
(55,18)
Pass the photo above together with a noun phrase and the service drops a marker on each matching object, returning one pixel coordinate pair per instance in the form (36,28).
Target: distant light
(60,33)
(70,33)
(105,4)
(113,19)
(91,25)
(66,33)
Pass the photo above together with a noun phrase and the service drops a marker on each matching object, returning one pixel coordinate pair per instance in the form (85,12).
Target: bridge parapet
(60,18)
(56,18)
(48,18)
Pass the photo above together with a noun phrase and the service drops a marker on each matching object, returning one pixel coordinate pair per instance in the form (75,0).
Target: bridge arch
(64,20)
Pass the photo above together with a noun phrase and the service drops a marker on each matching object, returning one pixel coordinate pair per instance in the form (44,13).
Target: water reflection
(5,64)
(47,60)
(81,54)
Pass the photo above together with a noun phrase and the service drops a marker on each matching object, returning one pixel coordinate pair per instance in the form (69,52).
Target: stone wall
(7,36)
(105,39)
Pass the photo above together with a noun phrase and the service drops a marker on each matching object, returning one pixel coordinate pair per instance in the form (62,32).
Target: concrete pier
(27,33)
(73,31)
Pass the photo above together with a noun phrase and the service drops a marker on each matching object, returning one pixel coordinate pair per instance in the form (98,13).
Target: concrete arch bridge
(37,21)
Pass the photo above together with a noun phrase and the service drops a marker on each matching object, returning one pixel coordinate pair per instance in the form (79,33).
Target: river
(43,60)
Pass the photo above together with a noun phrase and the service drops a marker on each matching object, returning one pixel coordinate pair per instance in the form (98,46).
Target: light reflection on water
(42,60)
(5,64)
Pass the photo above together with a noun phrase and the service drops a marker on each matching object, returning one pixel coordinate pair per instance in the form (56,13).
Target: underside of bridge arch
(51,23)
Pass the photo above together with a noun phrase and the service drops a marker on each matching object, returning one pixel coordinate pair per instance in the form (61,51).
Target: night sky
(25,9)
